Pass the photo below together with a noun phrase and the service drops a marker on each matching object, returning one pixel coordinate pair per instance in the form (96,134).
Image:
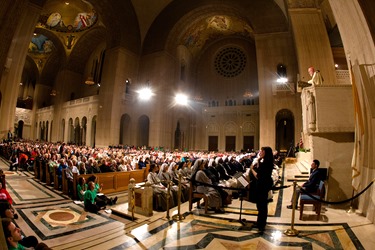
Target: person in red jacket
(5,196)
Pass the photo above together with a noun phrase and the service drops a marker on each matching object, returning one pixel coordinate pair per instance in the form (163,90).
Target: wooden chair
(305,199)
(196,197)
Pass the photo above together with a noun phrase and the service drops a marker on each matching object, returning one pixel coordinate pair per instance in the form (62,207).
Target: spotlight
(282,80)
(145,94)
(181,99)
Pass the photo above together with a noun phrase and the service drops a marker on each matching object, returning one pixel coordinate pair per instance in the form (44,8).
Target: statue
(311,111)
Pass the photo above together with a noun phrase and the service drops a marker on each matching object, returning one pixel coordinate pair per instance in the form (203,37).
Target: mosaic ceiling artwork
(75,16)
(213,28)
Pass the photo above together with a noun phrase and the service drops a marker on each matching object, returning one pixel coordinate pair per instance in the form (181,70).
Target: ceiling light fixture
(90,81)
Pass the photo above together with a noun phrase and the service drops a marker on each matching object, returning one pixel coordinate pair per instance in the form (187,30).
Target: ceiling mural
(213,28)
(40,44)
(73,16)
(40,48)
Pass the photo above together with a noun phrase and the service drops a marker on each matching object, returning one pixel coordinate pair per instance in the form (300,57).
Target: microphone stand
(240,220)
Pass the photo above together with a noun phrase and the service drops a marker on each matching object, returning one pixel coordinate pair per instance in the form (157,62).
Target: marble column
(312,43)
(11,77)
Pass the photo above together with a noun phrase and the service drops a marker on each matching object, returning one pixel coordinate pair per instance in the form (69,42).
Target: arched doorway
(143,132)
(285,132)
(51,129)
(125,130)
(20,129)
(77,132)
(62,130)
(93,131)
(70,131)
(42,131)
(47,131)
(84,130)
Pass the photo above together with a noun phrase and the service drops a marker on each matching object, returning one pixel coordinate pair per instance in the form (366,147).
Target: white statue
(311,111)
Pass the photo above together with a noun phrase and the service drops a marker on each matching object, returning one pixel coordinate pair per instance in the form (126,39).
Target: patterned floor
(62,224)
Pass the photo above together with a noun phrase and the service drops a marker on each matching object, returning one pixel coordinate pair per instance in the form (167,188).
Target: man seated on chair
(311,185)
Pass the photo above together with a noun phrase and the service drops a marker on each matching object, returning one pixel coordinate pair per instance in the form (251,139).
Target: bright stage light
(181,99)
(145,94)
(282,80)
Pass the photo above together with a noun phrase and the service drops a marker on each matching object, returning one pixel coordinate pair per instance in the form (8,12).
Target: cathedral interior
(213,75)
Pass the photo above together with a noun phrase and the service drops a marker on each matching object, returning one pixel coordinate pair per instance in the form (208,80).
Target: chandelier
(90,81)
(248,94)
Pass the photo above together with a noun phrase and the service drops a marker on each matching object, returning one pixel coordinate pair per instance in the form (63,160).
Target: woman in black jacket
(262,173)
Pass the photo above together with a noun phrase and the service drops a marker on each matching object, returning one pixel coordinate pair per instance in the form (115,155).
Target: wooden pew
(113,182)
(196,197)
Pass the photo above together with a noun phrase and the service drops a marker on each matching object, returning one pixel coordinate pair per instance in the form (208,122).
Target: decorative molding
(230,128)
(248,127)
(23,115)
(212,128)
(302,3)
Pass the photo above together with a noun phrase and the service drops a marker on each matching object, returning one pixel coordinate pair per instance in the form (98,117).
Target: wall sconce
(281,73)
(127,83)
(90,81)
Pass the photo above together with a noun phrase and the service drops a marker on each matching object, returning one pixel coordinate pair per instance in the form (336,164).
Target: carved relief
(212,128)
(230,128)
(301,4)
(248,127)
(24,115)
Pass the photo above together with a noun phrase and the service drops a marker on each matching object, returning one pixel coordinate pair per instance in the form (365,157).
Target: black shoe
(291,207)
(220,211)
(114,200)
(259,228)
(15,216)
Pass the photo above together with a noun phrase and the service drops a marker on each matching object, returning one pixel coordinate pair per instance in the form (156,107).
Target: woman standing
(262,173)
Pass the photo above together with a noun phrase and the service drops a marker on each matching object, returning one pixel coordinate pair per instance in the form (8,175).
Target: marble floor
(63,224)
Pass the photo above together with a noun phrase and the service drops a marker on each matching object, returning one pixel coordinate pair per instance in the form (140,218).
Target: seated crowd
(212,168)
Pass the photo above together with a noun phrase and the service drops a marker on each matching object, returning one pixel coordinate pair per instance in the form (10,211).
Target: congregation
(213,174)
(219,168)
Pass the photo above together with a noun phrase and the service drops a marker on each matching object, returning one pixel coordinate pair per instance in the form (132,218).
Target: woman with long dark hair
(262,173)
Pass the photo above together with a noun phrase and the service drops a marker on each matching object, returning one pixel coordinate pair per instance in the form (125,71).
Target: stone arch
(70,130)
(143,130)
(47,130)
(51,129)
(77,131)
(83,130)
(125,132)
(43,131)
(180,133)
(20,129)
(248,128)
(93,131)
(230,128)
(62,130)
(213,128)
(284,126)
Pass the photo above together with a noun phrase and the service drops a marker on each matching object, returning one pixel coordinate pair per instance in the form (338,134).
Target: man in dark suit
(312,184)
